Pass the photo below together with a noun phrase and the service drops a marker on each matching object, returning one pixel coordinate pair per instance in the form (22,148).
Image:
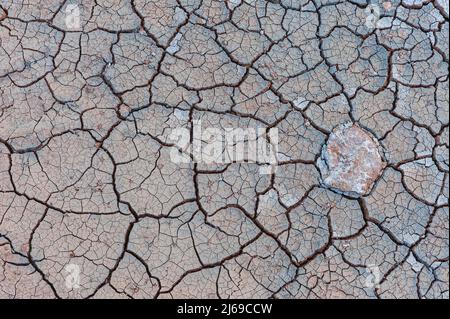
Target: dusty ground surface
(93,204)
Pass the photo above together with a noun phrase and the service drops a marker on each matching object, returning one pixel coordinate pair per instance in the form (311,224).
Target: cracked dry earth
(92,206)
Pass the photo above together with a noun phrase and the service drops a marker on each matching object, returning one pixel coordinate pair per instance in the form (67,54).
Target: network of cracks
(92,204)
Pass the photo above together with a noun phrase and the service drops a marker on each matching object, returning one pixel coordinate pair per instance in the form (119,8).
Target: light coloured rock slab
(351,161)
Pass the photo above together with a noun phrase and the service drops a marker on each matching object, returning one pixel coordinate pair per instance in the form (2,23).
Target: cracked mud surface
(93,206)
